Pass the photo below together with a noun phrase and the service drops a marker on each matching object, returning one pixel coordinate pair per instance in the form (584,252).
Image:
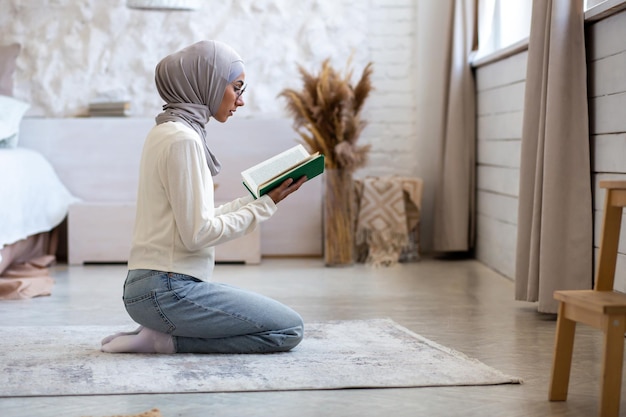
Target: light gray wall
(500,102)
(607,103)
(500,90)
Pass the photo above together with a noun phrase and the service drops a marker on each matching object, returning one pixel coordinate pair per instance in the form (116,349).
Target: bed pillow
(11,113)
(8,58)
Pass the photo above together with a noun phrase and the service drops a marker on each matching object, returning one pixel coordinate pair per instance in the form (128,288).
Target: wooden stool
(602,308)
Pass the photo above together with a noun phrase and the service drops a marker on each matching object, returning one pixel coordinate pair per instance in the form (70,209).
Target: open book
(292,163)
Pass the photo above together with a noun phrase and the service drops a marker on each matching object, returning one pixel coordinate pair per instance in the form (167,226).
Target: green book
(292,163)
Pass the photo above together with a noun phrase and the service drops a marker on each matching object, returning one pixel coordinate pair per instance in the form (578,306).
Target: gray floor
(460,304)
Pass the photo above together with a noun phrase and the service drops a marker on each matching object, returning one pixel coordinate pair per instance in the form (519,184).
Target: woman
(168,290)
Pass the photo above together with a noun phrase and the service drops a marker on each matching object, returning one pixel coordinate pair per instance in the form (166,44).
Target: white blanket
(32,198)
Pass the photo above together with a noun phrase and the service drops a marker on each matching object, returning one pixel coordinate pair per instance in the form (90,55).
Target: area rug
(379,353)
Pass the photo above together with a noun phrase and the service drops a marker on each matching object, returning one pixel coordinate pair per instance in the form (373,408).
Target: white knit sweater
(176,225)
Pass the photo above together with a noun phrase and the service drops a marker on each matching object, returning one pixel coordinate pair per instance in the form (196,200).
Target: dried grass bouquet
(327,114)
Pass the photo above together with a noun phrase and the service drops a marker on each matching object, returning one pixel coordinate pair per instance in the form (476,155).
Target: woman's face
(232,99)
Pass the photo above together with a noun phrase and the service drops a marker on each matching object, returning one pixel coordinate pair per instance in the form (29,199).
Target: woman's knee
(292,337)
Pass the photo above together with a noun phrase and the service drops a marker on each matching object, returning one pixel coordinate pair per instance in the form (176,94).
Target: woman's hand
(283,190)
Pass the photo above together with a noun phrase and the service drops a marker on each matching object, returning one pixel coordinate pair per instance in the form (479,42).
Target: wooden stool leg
(562,362)
(611,383)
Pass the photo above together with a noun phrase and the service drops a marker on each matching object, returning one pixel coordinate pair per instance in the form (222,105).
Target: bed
(33,201)
(33,198)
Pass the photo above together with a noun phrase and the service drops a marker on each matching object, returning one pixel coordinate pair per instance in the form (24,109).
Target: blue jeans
(209,317)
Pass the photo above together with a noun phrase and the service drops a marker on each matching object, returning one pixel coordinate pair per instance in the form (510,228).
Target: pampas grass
(327,114)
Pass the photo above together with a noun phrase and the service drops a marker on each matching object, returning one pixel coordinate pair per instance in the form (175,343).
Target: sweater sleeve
(233,205)
(189,189)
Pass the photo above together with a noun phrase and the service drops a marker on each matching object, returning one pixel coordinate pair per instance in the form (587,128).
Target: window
(502,23)
(591,3)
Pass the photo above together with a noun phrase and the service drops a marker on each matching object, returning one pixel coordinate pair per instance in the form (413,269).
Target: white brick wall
(75,52)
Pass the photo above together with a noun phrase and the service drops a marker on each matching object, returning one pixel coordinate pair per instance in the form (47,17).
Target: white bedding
(32,198)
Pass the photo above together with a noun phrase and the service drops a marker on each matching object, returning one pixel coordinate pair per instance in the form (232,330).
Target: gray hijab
(192,82)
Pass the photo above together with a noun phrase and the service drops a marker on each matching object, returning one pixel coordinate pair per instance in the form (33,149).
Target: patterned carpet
(45,361)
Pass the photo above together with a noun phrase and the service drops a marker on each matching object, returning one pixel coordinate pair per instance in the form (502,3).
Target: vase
(338,217)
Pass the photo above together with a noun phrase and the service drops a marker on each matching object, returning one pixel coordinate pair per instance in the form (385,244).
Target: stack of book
(109,109)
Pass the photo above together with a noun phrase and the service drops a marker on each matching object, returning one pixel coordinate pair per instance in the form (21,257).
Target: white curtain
(454,210)
(554,241)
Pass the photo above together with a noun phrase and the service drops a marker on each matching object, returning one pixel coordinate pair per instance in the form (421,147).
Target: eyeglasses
(239,88)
